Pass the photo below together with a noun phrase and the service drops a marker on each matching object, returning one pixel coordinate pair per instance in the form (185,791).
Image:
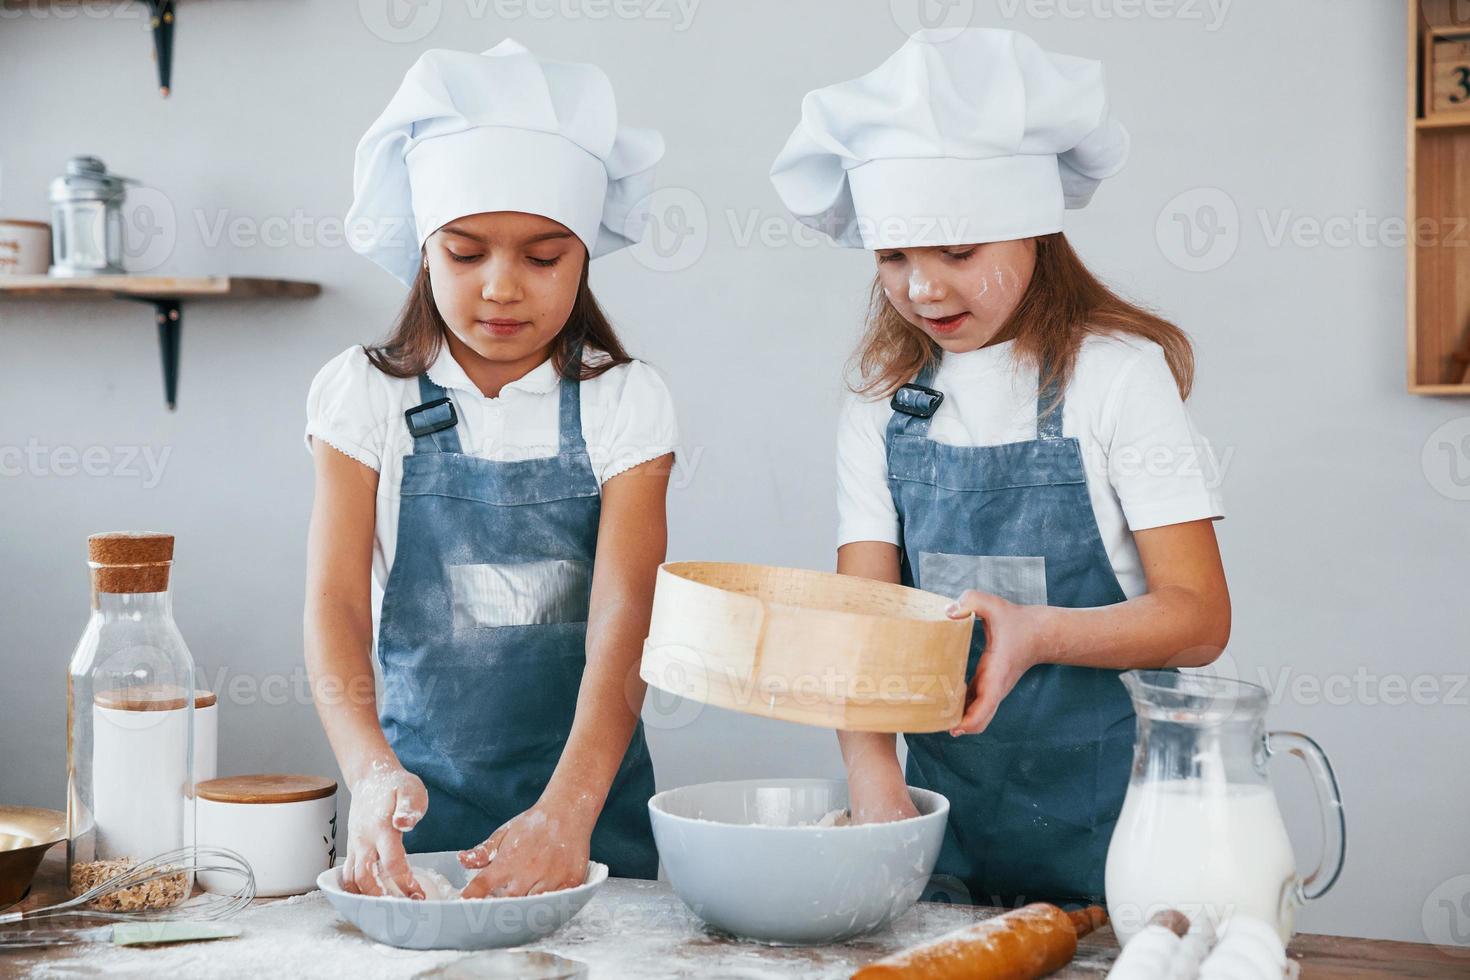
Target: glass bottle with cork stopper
(130,738)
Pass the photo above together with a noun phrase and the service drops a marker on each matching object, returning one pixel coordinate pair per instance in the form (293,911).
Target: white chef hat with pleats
(955,139)
(501,130)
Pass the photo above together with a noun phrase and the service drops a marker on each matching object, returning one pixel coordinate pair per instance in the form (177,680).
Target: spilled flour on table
(630,929)
(299,937)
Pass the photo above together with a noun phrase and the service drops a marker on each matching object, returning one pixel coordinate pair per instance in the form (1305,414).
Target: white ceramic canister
(206,745)
(206,736)
(133,756)
(284,825)
(25,247)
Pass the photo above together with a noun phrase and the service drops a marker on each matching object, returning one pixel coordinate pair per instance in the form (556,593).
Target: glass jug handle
(1329,801)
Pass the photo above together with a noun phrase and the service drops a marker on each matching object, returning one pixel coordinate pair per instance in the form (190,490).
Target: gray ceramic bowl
(484,923)
(735,853)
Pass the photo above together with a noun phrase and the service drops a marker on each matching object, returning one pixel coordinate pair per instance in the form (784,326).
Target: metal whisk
(183,860)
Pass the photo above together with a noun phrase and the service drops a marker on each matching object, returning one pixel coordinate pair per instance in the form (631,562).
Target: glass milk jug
(130,740)
(1200,830)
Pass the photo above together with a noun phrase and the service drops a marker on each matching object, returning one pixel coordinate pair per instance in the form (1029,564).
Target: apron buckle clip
(917,400)
(438,415)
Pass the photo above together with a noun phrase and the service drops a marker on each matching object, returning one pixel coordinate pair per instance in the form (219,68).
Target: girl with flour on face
(490,484)
(1017,438)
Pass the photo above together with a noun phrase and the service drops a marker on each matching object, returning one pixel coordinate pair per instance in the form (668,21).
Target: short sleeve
(347,407)
(637,420)
(865,510)
(1162,468)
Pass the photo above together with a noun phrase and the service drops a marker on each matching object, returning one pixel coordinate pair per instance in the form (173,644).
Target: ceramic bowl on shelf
(455,923)
(25,247)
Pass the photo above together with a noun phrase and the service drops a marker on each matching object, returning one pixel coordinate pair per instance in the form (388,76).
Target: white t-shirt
(627,419)
(1147,465)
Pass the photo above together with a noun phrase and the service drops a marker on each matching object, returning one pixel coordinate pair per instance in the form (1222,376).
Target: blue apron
(483,635)
(1033,798)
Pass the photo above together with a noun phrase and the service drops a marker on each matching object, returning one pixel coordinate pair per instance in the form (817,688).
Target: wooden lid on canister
(159,697)
(266,788)
(128,561)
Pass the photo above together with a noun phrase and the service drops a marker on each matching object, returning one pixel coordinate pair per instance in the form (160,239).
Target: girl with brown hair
(1017,439)
(489,514)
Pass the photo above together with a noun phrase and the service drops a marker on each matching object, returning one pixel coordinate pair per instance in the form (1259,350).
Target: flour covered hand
(386,802)
(541,850)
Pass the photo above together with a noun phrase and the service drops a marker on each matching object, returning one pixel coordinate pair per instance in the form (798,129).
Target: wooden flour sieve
(831,650)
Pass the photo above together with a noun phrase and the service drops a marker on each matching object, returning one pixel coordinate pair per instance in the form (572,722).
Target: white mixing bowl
(477,923)
(737,855)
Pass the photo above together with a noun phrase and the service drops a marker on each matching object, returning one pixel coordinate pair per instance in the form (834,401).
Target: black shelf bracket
(162,24)
(168,311)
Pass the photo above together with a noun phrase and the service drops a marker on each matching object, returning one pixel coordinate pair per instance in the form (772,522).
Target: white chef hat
(501,130)
(955,139)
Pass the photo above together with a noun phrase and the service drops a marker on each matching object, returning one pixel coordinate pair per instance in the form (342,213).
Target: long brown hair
(1062,305)
(418,335)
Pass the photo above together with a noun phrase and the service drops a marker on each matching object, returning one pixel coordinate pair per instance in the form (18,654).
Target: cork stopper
(130,562)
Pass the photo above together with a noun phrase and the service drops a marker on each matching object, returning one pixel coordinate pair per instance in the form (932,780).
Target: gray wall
(1347,538)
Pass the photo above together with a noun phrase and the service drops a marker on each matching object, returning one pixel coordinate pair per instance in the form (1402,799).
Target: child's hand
(879,804)
(1012,645)
(385,803)
(541,850)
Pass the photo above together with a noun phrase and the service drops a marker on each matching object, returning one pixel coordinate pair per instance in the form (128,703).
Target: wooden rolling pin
(1023,944)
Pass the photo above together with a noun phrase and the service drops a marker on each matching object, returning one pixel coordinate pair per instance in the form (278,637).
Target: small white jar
(285,826)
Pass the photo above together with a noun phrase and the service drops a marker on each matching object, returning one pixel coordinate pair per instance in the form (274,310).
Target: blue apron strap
(912,424)
(570,413)
(433,423)
(1048,424)
(927,372)
(902,422)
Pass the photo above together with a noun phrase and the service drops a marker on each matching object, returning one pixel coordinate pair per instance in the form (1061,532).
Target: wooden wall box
(1437,247)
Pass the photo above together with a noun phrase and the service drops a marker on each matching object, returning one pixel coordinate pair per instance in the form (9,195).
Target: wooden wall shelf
(166,293)
(1438,256)
(1443,122)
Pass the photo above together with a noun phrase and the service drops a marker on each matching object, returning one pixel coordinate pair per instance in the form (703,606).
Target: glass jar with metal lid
(86,220)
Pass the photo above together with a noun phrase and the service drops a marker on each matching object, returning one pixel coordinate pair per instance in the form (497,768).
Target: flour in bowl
(437,888)
(833,818)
